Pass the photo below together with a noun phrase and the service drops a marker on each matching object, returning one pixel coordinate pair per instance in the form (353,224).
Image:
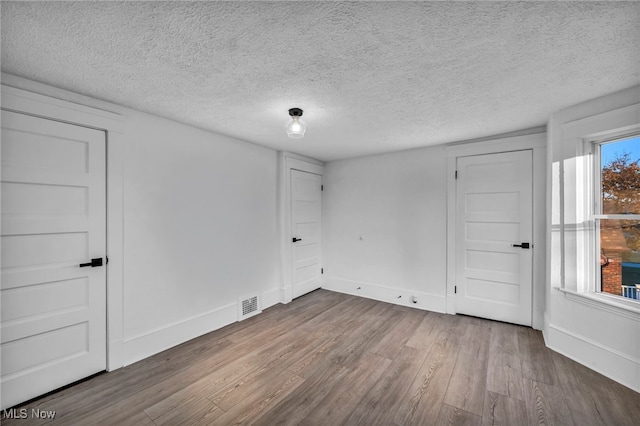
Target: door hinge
(456,174)
(455,289)
(321,187)
(322,270)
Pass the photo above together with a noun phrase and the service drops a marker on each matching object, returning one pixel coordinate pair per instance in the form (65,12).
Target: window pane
(620,168)
(620,257)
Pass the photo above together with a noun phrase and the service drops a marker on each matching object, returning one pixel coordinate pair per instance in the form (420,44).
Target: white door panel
(306,212)
(53,316)
(494,212)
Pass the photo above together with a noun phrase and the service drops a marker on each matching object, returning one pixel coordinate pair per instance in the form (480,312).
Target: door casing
(32,98)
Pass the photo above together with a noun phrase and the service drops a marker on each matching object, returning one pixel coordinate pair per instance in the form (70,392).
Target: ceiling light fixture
(296,127)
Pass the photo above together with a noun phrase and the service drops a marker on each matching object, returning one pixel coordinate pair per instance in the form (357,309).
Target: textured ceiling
(371,76)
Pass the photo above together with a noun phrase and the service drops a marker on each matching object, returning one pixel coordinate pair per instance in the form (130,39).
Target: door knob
(94,262)
(295,240)
(523,245)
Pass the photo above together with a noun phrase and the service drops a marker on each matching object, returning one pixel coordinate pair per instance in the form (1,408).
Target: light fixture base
(295,112)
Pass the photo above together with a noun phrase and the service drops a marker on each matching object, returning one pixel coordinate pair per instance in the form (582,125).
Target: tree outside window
(619,221)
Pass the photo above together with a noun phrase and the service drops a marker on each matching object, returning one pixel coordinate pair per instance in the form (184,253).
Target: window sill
(604,302)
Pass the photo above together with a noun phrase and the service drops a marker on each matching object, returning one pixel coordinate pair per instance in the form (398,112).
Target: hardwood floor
(330,359)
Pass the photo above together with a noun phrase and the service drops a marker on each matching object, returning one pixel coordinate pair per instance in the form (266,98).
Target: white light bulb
(296,128)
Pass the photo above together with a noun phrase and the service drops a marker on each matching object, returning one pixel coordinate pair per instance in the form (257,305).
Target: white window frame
(595,180)
(575,192)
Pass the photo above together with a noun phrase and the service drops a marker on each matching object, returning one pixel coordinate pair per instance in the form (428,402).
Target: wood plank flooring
(332,359)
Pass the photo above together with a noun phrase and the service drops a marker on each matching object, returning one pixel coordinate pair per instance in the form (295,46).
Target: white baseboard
(425,301)
(622,368)
(142,346)
(271,297)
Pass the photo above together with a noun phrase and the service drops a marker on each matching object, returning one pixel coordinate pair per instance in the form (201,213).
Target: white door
(306,212)
(53,320)
(493,218)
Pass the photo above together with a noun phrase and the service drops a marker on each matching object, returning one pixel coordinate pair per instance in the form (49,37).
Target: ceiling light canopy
(296,127)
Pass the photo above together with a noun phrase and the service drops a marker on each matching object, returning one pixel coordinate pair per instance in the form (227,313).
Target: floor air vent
(248,307)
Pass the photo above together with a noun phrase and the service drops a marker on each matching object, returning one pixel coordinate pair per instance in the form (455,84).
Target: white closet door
(53,219)
(494,225)
(306,213)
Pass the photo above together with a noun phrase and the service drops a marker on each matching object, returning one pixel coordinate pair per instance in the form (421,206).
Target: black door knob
(94,262)
(295,240)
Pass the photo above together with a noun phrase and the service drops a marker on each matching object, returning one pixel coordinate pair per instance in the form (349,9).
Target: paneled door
(306,213)
(53,243)
(494,214)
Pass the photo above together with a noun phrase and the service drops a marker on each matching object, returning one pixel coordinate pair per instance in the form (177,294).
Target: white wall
(597,331)
(200,230)
(192,222)
(385,223)
(385,227)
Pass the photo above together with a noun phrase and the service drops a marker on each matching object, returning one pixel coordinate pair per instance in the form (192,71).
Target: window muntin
(617,217)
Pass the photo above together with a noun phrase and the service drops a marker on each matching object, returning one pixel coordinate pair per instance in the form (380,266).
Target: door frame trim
(32,98)
(536,142)
(289,161)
